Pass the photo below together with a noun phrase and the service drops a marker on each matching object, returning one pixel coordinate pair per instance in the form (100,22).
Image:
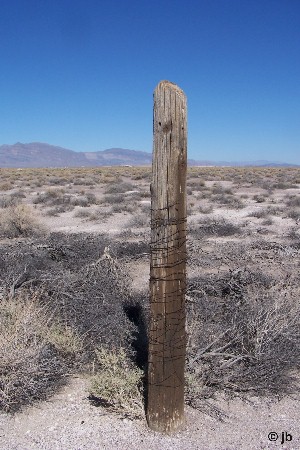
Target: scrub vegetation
(74,252)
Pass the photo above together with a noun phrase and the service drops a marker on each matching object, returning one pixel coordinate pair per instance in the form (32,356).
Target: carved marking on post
(167,338)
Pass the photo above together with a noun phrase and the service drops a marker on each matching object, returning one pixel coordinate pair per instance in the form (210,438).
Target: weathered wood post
(167,337)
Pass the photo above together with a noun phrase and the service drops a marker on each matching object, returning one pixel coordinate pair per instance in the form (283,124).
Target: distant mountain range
(38,154)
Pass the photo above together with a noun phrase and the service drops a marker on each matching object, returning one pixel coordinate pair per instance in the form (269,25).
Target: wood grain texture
(167,337)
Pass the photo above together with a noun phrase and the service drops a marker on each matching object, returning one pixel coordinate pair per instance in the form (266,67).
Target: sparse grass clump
(34,351)
(19,220)
(118,383)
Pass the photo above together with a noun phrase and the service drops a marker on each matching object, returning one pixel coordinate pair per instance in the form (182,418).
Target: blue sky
(81,74)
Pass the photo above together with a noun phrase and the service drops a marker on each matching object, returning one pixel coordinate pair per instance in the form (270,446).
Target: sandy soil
(68,421)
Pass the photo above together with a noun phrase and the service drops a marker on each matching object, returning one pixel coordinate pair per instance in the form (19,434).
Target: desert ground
(74,305)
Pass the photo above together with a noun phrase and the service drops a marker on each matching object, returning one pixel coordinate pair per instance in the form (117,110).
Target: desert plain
(74,304)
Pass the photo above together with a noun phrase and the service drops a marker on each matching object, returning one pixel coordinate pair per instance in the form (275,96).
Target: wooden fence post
(167,337)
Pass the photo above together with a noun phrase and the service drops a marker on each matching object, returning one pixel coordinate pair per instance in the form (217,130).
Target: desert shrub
(84,199)
(88,292)
(204,195)
(268,186)
(134,196)
(100,214)
(57,180)
(35,351)
(293,200)
(213,227)
(190,210)
(196,185)
(293,234)
(79,201)
(146,208)
(267,194)
(64,339)
(244,335)
(86,181)
(119,188)
(91,198)
(59,209)
(284,185)
(119,208)
(109,178)
(206,209)
(146,194)
(217,188)
(132,250)
(19,220)
(267,221)
(260,213)
(118,383)
(6,186)
(113,198)
(85,285)
(53,212)
(265,212)
(229,200)
(124,207)
(58,197)
(145,174)
(82,213)
(275,210)
(222,196)
(138,221)
(8,200)
(52,197)
(38,183)
(18,194)
(294,213)
(259,198)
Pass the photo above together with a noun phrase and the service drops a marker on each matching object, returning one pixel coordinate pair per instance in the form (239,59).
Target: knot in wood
(167,127)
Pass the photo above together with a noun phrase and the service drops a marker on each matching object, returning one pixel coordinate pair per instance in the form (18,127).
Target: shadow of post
(139,344)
